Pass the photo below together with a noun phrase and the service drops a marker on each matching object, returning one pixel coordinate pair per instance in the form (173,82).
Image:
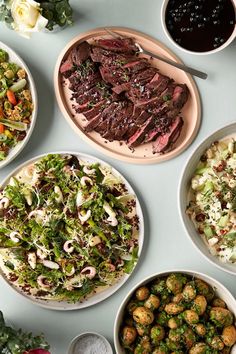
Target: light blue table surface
(166,243)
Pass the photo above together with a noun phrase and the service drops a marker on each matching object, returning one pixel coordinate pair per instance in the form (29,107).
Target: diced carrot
(11,97)
(2,128)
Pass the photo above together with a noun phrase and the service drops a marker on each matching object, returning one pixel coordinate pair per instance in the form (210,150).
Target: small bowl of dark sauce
(200,26)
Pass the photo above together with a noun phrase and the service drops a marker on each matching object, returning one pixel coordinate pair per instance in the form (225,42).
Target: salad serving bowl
(220,292)
(15,150)
(74,242)
(185,196)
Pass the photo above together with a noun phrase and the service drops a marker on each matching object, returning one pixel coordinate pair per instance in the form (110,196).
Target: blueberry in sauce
(200,25)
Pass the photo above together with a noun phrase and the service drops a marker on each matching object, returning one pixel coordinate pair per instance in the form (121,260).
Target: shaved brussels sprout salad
(212,205)
(68,228)
(15,104)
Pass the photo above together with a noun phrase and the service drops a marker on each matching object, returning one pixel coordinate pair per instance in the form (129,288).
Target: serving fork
(180,66)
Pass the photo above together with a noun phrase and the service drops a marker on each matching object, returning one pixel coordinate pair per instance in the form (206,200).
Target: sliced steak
(118,45)
(163,142)
(101,117)
(180,96)
(80,53)
(138,137)
(85,84)
(107,58)
(152,134)
(121,88)
(66,67)
(137,122)
(114,77)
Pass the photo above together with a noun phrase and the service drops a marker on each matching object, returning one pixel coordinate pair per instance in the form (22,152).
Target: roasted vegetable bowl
(70,230)
(176,312)
(18,104)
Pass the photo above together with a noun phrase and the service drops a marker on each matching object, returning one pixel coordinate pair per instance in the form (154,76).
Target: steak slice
(121,88)
(163,142)
(85,84)
(94,111)
(118,45)
(180,95)
(107,58)
(77,56)
(136,122)
(138,137)
(101,117)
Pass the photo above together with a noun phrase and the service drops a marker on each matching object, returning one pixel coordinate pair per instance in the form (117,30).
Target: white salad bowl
(99,295)
(220,290)
(167,33)
(183,196)
(15,58)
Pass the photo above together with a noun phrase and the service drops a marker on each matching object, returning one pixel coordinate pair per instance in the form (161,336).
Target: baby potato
(143,315)
(200,329)
(142,330)
(142,293)
(191,317)
(178,298)
(174,283)
(189,292)
(157,334)
(152,302)
(174,335)
(173,346)
(189,337)
(199,348)
(221,317)
(229,336)
(144,346)
(173,309)
(129,335)
(132,305)
(204,289)
(216,343)
(200,304)
(218,303)
(159,351)
(174,322)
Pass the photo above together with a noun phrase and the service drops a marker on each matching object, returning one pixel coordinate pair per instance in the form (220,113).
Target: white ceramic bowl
(89,335)
(224,45)
(220,290)
(183,196)
(15,58)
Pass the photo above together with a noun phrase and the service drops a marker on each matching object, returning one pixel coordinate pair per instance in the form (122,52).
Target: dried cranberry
(200,217)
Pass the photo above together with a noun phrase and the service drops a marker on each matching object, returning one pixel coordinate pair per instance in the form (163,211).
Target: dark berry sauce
(200,25)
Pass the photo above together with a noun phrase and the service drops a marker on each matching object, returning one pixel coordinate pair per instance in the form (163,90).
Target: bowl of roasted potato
(176,312)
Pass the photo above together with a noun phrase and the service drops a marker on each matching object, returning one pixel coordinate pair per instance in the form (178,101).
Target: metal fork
(183,67)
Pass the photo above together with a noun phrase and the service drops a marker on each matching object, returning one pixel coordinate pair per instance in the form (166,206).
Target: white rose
(27,17)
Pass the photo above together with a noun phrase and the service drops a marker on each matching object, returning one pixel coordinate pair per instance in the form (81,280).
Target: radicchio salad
(68,228)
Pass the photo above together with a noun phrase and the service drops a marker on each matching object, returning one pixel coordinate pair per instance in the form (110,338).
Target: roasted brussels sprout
(221,317)
(199,348)
(175,283)
(157,334)
(204,289)
(189,292)
(143,315)
(129,335)
(142,293)
(216,343)
(174,335)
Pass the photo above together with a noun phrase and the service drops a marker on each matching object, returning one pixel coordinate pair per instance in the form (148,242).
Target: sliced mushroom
(59,197)
(13,236)
(32,260)
(89,272)
(67,247)
(95,240)
(43,282)
(85,217)
(79,199)
(112,220)
(50,264)
(86,180)
(41,254)
(89,171)
(4,203)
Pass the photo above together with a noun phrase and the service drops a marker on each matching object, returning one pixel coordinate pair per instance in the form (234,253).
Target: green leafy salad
(212,205)
(68,228)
